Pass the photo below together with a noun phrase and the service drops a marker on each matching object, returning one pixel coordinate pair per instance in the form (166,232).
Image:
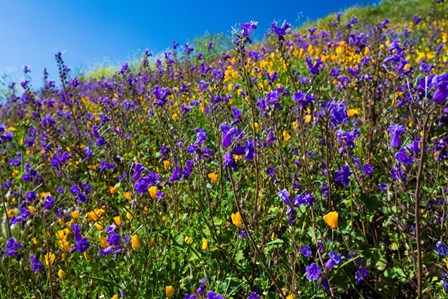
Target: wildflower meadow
(311,164)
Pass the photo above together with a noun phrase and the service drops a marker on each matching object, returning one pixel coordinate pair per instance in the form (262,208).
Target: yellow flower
(187,240)
(213,177)
(64,245)
(61,273)
(95,214)
(204,244)
(295,125)
(113,189)
(75,214)
(15,173)
(237,220)
(331,219)
(49,258)
(255,126)
(286,136)
(164,218)
(115,296)
(62,233)
(169,290)
(307,118)
(11,213)
(34,241)
(352,112)
(152,191)
(127,195)
(31,209)
(103,241)
(44,194)
(117,220)
(166,164)
(135,242)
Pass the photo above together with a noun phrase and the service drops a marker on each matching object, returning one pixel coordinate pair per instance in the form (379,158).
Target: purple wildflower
(11,247)
(441,93)
(228,132)
(441,248)
(368,169)
(30,195)
(342,175)
(105,251)
(284,196)
(361,274)
(280,31)
(201,136)
(395,131)
(75,189)
(313,272)
(253,295)
(229,161)
(335,259)
(306,251)
(213,295)
(81,245)
(35,264)
(48,203)
(247,28)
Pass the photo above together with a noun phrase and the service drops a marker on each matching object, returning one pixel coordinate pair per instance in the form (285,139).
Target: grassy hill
(312,164)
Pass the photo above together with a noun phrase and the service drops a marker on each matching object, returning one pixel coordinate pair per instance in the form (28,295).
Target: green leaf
(180,240)
(381,263)
(395,273)
(393,246)
(239,255)
(217,220)
(275,243)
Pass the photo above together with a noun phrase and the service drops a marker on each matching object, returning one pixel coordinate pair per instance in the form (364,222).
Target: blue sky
(95,31)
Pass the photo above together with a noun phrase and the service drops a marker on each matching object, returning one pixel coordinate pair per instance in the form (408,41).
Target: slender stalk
(50,268)
(417,199)
(254,246)
(5,209)
(313,222)
(9,236)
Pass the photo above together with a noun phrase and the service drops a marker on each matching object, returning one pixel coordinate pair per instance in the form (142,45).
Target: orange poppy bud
(332,219)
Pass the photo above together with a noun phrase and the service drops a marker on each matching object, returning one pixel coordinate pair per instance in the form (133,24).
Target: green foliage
(311,166)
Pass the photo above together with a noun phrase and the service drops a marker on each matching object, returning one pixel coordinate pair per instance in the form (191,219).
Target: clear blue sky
(92,31)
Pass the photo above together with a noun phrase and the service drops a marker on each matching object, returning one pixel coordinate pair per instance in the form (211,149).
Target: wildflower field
(310,165)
